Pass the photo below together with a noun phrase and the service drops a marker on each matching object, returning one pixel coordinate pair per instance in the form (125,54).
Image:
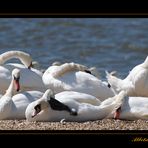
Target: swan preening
(79,107)
(69,91)
(31,78)
(132,108)
(14,106)
(91,70)
(71,106)
(6,99)
(136,83)
(75,77)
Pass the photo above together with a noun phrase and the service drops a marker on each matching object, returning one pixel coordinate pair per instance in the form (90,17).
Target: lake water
(106,43)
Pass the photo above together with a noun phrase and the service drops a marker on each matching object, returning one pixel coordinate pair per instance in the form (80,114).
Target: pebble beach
(105,124)
(108,44)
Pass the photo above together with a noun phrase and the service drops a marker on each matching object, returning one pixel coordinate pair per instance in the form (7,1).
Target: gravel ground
(105,124)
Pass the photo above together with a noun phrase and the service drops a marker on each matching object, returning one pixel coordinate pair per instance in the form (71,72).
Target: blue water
(106,43)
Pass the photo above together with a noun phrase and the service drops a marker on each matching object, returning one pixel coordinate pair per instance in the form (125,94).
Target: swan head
(16,78)
(49,102)
(26,60)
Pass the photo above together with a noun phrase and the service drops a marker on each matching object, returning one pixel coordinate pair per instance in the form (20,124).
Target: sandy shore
(105,124)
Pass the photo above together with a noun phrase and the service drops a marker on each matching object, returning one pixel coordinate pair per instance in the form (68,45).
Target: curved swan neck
(69,67)
(22,56)
(114,102)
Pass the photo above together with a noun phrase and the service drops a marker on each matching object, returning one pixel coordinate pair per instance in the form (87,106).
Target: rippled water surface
(107,43)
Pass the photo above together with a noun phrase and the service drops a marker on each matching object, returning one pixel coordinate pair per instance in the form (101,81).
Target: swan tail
(145,63)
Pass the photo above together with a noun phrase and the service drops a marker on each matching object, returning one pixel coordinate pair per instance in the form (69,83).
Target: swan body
(20,103)
(86,107)
(136,83)
(14,106)
(133,108)
(72,77)
(6,99)
(92,70)
(31,78)
(71,106)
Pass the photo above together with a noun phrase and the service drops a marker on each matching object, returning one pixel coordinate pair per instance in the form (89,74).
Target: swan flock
(69,91)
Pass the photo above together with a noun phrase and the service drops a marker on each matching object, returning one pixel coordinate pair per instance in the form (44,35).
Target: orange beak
(117,113)
(16,84)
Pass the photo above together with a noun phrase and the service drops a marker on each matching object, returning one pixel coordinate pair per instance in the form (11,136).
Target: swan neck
(111,104)
(9,91)
(68,67)
(13,54)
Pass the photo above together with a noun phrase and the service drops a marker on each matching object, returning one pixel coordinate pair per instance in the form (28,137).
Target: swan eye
(109,86)
(16,78)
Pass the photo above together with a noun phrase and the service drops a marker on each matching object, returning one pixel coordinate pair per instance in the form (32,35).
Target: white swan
(71,106)
(25,58)
(21,101)
(31,78)
(75,77)
(6,100)
(13,107)
(92,70)
(136,83)
(132,108)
